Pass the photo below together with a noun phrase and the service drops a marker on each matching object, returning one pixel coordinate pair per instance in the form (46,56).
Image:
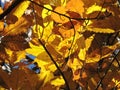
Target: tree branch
(10,8)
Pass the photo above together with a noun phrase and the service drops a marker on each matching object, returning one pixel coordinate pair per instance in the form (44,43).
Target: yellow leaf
(52,68)
(75,64)
(35,50)
(21,9)
(20,55)
(58,82)
(88,41)
(82,54)
(94,8)
(63,2)
(45,77)
(45,12)
(46,32)
(100,30)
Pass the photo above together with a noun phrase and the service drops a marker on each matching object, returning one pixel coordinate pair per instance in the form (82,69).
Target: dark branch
(67,85)
(10,8)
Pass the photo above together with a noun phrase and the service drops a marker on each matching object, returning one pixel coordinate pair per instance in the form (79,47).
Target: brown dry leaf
(59,18)
(15,43)
(81,47)
(3,54)
(111,22)
(90,3)
(19,27)
(53,51)
(72,5)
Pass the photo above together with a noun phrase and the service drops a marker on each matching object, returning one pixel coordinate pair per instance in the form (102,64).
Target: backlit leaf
(94,8)
(58,82)
(59,18)
(72,6)
(100,30)
(21,9)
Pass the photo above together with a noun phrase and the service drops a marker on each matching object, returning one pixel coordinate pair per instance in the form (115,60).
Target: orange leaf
(72,5)
(59,18)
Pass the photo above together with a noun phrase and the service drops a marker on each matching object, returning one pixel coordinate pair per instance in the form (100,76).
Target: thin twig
(67,85)
(94,18)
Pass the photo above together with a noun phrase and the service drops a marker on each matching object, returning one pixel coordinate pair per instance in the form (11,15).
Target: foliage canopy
(74,43)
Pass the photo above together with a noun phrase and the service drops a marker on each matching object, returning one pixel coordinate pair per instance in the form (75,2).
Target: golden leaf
(1,26)
(100,30)
(45,77)
(75,64)
(35,50)
(21,9)
(94,8)
(1,10)
(58,82)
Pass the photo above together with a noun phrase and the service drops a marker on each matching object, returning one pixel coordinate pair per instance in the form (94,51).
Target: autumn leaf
(58,82)
(19,27)
(46,77)
(1,26)
(75,64)
(72,6)
(94,8)
(77,38)
(21,9)
(60,18)
(100,30)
